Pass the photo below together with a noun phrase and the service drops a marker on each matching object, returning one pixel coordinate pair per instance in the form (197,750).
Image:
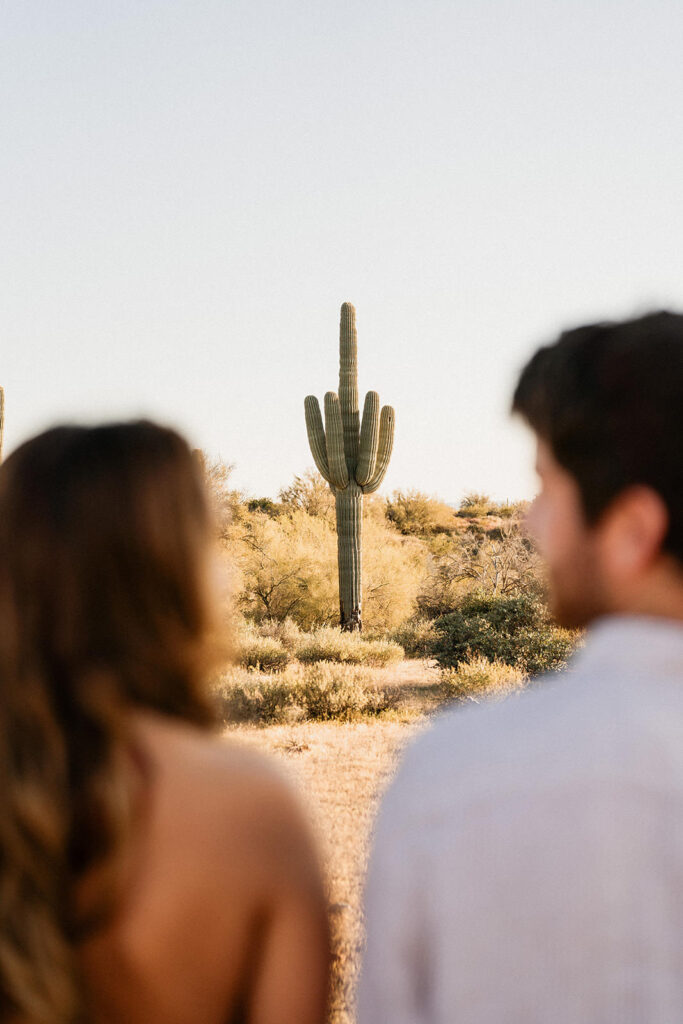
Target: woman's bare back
(223,917)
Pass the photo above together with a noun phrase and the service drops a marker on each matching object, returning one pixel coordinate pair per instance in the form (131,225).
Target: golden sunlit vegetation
(453,612)
(287,565)
(438,581)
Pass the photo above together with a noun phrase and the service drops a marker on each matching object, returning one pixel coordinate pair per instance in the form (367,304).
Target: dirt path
(341,771)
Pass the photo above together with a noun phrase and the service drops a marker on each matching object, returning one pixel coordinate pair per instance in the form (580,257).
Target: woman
(148,870)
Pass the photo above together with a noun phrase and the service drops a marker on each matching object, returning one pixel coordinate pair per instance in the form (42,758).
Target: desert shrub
(226,501)
(480,679)
(262,652)
(511,509)
(320,692)
(331,692)
(244,696)
(266,505)
(393,570)
(546,648)
(416,636)
(331,644)
(309,493)
(513,630)
(501,562)
(383,652)
(285,631)
(288,568)
(477,505)
(496,562)
(413,512)
(442,587)
(474,504)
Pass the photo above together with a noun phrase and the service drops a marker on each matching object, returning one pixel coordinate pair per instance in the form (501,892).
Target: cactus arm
(386,443)
(348,385)
(369,437)
(316,435)
(334,433)
(2,418)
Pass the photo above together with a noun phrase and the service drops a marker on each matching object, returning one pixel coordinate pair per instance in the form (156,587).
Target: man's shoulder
(469,733)
(600,719)
(489,747)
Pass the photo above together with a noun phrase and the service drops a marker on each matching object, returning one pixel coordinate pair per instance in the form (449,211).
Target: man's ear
(633,529)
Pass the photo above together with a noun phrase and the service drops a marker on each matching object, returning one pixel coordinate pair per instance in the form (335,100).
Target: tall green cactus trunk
(349,507)
(353,457)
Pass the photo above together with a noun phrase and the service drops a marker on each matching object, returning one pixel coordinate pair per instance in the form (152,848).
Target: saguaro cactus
(353,457)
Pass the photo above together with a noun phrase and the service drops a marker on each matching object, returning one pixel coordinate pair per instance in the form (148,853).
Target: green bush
(480,679)
(417,637)
(513,630)
(271,508)
(474,504)
(331,644)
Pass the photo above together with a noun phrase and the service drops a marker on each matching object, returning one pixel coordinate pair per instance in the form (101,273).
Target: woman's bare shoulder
(216,783)
(202,757)
(221,845)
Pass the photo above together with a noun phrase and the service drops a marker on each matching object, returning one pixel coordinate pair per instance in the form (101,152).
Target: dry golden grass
(341,770)
(480,679)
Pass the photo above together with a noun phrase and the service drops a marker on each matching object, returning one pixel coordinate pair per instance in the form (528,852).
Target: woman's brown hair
(104,607)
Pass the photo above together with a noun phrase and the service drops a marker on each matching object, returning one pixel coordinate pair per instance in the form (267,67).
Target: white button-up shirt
(528,859)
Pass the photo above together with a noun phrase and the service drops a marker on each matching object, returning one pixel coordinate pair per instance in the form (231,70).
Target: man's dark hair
(608,399)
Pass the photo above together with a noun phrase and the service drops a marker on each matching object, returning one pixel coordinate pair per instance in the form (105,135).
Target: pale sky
(191,189)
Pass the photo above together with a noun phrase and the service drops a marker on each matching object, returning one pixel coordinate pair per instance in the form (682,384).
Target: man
(528,861)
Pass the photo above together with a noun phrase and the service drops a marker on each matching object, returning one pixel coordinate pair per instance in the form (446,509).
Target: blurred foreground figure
(149,872)
(528,865)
